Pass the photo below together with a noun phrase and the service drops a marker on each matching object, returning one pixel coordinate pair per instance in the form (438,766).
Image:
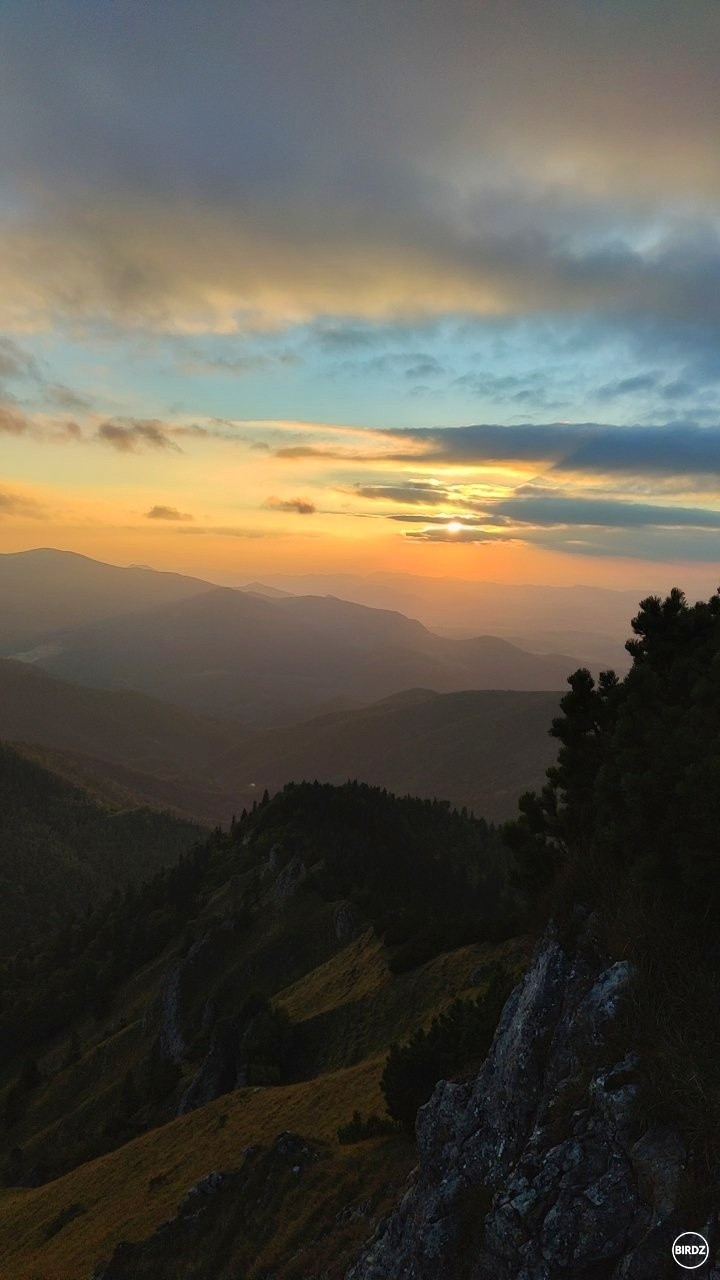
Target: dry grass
(351,1005)
(129,1192)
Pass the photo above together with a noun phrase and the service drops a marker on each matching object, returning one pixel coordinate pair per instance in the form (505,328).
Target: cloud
(14,504)
(167,513)
(410,364)
(227,531)
(65,433)
(128,435)
(12,421)
(232,363)
(413,492)
(655,544)
(62,397)
(563,510)
(318,451)
(16,363)
(305,451)
(464,535)
(467,521)
(486,173)
(682,448)
(19,365)
(156,264)
(629,386)
(301,506)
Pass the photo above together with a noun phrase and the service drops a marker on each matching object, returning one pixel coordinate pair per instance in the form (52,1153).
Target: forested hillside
(588,1141)
(279,961)
(61,852)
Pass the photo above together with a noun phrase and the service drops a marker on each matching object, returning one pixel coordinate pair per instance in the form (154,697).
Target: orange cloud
(301,506)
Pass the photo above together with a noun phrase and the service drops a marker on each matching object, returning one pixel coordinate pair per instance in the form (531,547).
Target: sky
(428,286)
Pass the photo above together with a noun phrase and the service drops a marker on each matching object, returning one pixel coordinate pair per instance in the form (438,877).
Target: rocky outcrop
(347,921)
(184,979)
(171,1042)
(221,1069)
(288,879)
(535,1170)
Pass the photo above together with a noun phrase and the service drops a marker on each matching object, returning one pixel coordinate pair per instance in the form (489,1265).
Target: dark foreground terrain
(218,1073)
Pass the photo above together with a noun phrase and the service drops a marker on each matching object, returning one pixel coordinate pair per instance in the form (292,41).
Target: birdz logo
(690,1250)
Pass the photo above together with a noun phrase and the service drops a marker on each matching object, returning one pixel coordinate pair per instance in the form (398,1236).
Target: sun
(454,526)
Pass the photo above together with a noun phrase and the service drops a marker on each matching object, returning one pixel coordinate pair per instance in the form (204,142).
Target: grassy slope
(346,1007)
(127,1193)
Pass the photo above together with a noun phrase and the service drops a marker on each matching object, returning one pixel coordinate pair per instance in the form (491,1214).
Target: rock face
(347,921)
(220,1071)
(171,1042)
(535,1170)
(287,880)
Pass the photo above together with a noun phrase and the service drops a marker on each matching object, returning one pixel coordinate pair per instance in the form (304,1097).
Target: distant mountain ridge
(45,590)
(116,725)
(124,747)
(230,653)
(590,621)
(480,749)
(61,851)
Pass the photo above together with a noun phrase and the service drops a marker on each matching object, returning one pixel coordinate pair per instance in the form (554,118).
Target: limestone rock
(534,1170)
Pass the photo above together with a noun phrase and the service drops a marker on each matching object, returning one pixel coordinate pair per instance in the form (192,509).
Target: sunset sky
(428,286)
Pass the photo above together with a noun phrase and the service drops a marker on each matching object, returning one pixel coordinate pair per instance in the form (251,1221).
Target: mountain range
(45,590)
(480,748)
(591,621)
(265,661)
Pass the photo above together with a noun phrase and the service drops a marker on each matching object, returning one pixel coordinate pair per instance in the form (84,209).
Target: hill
(267,661)
(479,749)
(45,590)
(254,988)
(592,621)
(61,851)
(189,796)
(120,726)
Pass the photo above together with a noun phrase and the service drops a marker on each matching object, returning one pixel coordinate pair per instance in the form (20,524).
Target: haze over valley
(349,689)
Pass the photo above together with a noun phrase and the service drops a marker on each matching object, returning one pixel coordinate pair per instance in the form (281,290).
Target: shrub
(457,1040)
(358,1129)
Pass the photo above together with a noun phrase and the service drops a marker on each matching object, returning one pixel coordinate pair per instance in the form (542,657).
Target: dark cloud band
(680,449)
